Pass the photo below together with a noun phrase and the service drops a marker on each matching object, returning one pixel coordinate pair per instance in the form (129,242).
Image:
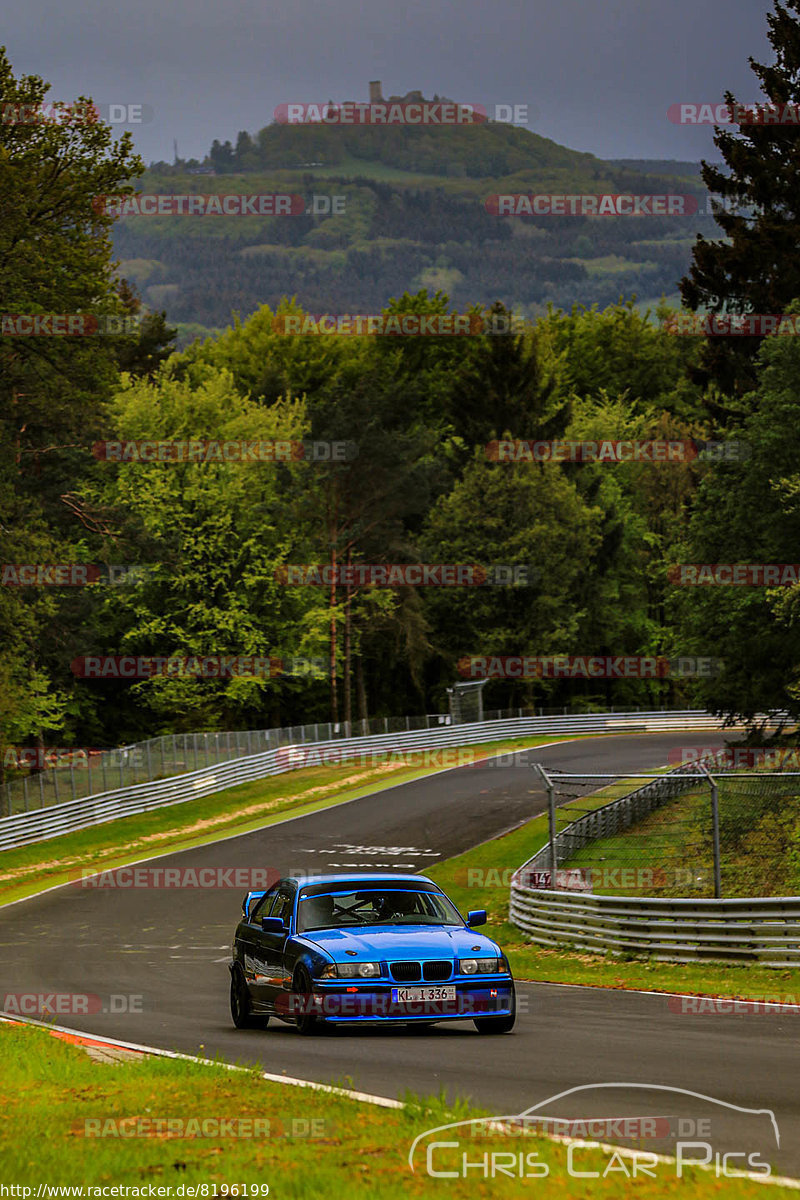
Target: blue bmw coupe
(365,949)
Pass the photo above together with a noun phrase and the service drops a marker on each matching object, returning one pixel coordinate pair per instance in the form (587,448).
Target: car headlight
(479,966)
(352,970)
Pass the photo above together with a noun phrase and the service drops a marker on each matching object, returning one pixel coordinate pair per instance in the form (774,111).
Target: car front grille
(413,972)
(405,972)
(436,969)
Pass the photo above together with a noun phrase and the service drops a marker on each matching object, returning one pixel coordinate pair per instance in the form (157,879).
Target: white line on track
(591,987)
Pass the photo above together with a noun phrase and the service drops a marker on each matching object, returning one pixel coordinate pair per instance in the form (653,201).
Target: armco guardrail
(23,828)
(79,772)
(766,930)
(676,930)
(75,773)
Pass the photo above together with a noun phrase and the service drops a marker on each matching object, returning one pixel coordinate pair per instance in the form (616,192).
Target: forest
(389,458)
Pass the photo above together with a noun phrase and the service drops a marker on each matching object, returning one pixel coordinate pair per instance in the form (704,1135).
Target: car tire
(307,1023)
(498,1024)
(241,1009)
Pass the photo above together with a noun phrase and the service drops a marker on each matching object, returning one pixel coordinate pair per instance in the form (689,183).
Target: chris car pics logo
(682,1124)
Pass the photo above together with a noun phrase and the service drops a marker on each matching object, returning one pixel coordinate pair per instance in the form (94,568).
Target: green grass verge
(30,869)
(308,1144)
(480,878)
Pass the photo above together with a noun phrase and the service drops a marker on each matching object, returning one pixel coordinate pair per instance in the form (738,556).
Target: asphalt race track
(167,949)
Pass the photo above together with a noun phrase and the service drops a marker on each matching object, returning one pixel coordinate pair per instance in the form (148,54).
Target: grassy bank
(174,1124)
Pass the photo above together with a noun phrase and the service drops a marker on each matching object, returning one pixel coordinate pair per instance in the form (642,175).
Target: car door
(270,977)
(247,951)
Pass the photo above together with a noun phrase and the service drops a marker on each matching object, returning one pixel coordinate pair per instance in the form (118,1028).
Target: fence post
(41,787)
(714,830)
(551,820)
(715,836)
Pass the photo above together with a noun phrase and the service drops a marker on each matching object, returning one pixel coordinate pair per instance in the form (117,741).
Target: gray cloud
(597,77)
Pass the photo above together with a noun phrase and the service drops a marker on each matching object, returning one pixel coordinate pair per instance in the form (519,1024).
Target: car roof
(356,877)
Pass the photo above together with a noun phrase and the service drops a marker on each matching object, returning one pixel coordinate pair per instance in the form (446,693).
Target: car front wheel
(307,1022)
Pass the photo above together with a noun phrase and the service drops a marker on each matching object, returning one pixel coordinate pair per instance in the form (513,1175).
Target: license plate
(411,995)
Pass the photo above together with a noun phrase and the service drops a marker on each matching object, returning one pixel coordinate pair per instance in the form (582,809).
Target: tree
(216,534)
(756,266)
(506,384)
(152,345)
(509,514)
(55,258)
(745,513)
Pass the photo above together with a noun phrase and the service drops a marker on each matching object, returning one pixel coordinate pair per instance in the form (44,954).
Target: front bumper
(361,1003)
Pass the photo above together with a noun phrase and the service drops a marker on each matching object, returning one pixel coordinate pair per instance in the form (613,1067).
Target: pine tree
(757,267)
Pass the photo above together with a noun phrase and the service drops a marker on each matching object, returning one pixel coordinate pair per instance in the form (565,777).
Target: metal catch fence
(646,873)
(21,828)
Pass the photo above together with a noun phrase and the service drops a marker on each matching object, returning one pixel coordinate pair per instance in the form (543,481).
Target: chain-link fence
(729,834)
(78,773)
(81,773)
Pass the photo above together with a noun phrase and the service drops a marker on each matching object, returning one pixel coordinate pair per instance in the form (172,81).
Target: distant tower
(175,150)
(375,92)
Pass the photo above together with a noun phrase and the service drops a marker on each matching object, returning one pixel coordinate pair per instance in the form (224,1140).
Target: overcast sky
(595,76)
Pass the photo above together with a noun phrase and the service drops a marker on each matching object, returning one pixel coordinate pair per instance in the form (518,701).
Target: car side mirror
(477,917)
(273,925)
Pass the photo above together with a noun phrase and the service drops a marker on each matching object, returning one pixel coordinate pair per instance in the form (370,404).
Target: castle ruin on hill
(416,97)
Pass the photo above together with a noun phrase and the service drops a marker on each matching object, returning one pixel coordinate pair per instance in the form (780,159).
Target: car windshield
(381,906)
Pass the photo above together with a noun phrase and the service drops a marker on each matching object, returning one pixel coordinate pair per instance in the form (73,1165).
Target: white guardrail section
(765,930)
(22,828)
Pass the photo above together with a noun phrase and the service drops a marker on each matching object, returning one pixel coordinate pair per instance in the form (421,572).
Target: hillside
(414,217)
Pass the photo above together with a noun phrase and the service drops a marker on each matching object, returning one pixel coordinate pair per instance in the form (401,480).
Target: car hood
(399,942)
